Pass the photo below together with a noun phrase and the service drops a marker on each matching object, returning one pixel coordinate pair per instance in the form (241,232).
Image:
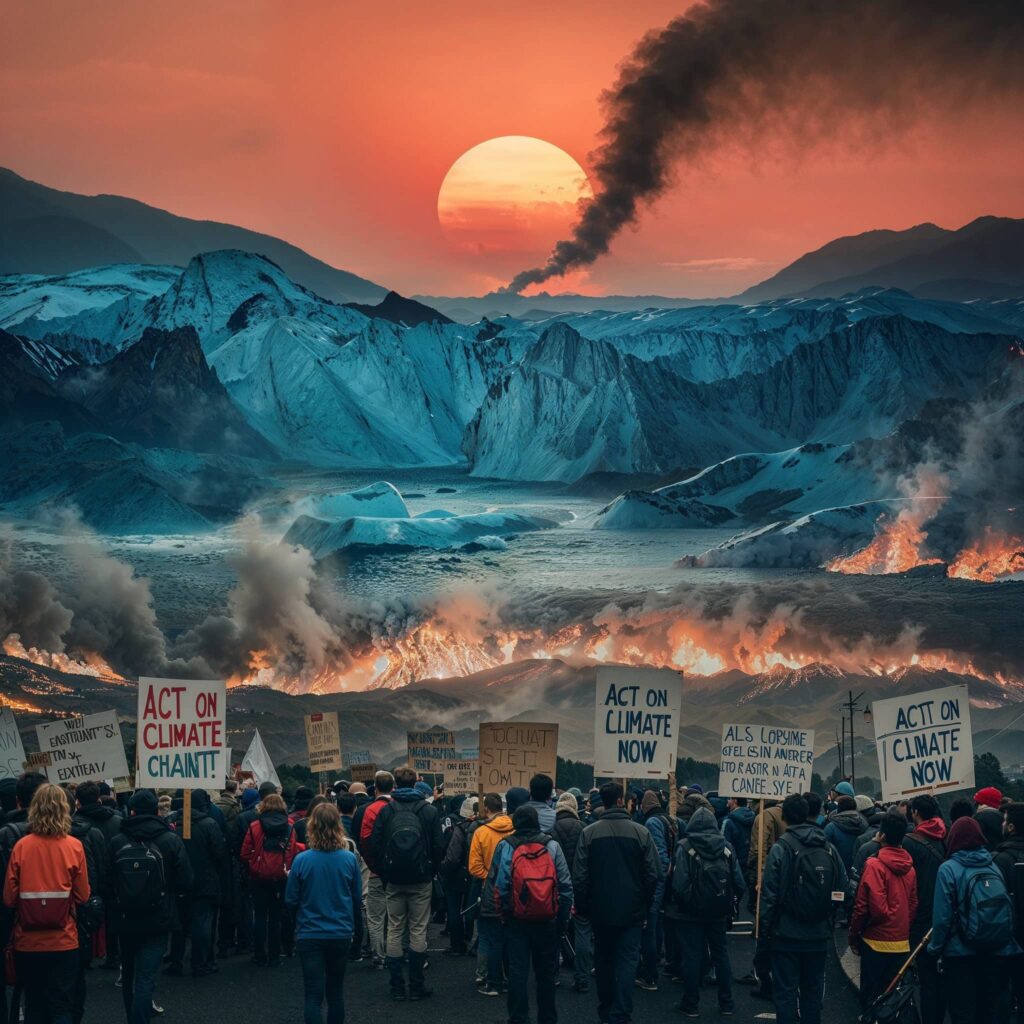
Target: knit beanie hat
(468,808)
(864,803)
(845,789)
(250,798)
(567,802)
(515,798)
(989,797)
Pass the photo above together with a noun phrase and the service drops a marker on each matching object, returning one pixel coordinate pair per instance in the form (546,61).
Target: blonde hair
(324,830)
(272,802)
(49,814)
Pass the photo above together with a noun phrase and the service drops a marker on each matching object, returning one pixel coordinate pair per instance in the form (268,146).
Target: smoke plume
(789,75)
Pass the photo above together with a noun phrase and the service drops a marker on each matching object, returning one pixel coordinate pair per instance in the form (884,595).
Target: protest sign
(38,759)
(924,742)
(358,757)
(362,772)
(429,745)
(323,741)
(765,762)
(511,753)
(181,734)
(83,748)
(636,724)
(458,776)
(12,750)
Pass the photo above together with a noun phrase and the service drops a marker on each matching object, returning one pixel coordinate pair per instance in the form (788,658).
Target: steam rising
(792,73)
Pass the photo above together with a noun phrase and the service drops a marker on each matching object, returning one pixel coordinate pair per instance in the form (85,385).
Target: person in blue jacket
(737,827)
(655,818)
(325,890)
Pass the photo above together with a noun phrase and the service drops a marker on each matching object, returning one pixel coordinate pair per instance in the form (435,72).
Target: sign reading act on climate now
(924,742)
(181,733)
(765,761)
(636,728)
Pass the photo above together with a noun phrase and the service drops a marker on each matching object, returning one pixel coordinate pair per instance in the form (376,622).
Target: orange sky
(333,125)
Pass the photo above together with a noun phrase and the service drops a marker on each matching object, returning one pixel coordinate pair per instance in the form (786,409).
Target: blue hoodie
(737,828)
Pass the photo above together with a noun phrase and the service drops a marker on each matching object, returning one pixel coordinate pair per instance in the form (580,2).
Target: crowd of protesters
(622,888)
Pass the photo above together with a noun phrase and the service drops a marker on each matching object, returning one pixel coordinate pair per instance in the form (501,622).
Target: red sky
(333,124)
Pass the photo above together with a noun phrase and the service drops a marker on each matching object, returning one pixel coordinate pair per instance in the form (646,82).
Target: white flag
(257,761)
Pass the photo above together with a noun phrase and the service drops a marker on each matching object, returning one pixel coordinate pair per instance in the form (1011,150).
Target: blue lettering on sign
(635,751)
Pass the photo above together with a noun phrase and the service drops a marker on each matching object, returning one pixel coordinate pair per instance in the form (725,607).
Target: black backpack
(139,879)
(813,877)
(709,895)
(406,858)
(276,835)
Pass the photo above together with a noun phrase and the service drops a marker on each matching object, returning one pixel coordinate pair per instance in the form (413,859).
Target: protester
(362,826)
(90,916)
(973,929)
(961,807)
(237,830)
(346,808)
(541,788)
(656,821)
(490,934)
(768,826)
(802,874)
(533,894)
(739,821)
(300,803)
(406,848)
(325,890)
(844,829)
(615,877)
(567,831)
(706,882)
(814,809)
(454,874)
(988,813)
(1009,858)
(45,879)
(268,850)
(885,904)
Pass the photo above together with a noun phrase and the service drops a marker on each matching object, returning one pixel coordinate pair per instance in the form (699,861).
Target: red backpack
(534,883)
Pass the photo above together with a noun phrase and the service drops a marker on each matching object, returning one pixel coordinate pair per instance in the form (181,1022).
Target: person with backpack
(532,892)
(362,828)
(90,813)
(149,870)
(988,813)
(406,848)
(615,876)
(237,830)
(845,828)
(541,788)
(91,916)
(973,929)
(804,881)
(566,832)
(46,878)
(706,881)
(268,850)
(883,908)
(927,848)
(1009,858)
(454,872)
(765,831)
(655,820)
(489,834)
(325,890)
(738,824)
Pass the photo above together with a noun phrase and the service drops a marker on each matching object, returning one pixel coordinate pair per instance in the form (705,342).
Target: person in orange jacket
(46,877)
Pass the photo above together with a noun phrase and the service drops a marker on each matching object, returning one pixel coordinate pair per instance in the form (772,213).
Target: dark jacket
(736,829)
(616,871)
(657,823)
(430,823)
(153,831)
(705,841)
(455,863)
(207,854)
(90,915)
(1009,852)
(566,832)
(106,819)
(237,828)
(843,831)
(787,932)
(991,822)
(927,850)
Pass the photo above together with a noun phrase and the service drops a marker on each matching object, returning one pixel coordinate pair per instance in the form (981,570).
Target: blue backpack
(984,912)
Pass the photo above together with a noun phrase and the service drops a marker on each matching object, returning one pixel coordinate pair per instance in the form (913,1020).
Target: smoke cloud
(783,74)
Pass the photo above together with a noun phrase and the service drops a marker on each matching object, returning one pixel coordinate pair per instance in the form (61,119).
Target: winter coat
(95,847)
(702,840)
(843,831)
(927,850)
(788,932)
(238,827)
(207,853)
(664,842)
(567,831)
(886,902)
(736,828)
(228,806)
(106,819)
(545,815)
(483,843)
(153,831)
(362,826)
(499,878)
(252,845)
(430,823)
(616,872)
(455,863)
(949,888)
(768,826)
(1009,852)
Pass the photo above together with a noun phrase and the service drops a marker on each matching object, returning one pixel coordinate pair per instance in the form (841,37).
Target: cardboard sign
(765,762)
(511,753)
(358,757)
(181,733)
(83,748)
(38,759)
(636,723)
(12,750)
(323,741)
(429,745)
(457,776)
(362,772)
(924,742)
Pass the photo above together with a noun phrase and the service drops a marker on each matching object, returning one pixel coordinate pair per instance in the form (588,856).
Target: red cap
(989,797)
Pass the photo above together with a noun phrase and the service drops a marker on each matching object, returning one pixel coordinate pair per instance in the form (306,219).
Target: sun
(509,199)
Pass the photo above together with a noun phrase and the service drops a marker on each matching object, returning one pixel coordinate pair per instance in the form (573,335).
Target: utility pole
(841,750)
(851,705)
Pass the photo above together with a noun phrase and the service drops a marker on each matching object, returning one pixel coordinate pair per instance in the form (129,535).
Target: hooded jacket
(705,841)
(454,864)
(499,878)
(106,819)
(485,840)
(886,902)
(567,831)
(664,842)
(787,932)
(153,831)
(545,814)
(844,831)
(1008,853)
(430,825)
(228,805)
(207,853)
(736,828)
(927,849)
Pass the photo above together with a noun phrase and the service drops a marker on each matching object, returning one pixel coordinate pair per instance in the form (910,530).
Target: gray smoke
(31,607)
(784,74)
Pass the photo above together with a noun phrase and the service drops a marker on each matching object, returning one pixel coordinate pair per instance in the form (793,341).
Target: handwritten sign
(458,776)
(511,753)
(323,740)
(362,772)
(765,761)
(181,733)
(636,725)
(358,757)
(429,745)
(83,748)
(38,759)
(12,750)
(924,742)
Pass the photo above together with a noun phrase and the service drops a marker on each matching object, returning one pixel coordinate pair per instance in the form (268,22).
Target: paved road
(243,994)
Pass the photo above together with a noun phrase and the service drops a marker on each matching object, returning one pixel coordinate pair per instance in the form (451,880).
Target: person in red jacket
(883,910)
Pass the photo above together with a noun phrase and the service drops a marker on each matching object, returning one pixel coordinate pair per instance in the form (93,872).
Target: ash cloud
(787,74)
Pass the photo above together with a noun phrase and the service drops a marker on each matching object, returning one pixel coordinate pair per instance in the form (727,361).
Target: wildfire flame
(994,556)
(89,664)
(896,547)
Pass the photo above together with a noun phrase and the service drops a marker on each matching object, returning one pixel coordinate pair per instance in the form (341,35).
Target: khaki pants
(408,911)
(376,915)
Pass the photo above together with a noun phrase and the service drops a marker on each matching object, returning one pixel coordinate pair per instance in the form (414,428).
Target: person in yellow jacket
(495,827)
